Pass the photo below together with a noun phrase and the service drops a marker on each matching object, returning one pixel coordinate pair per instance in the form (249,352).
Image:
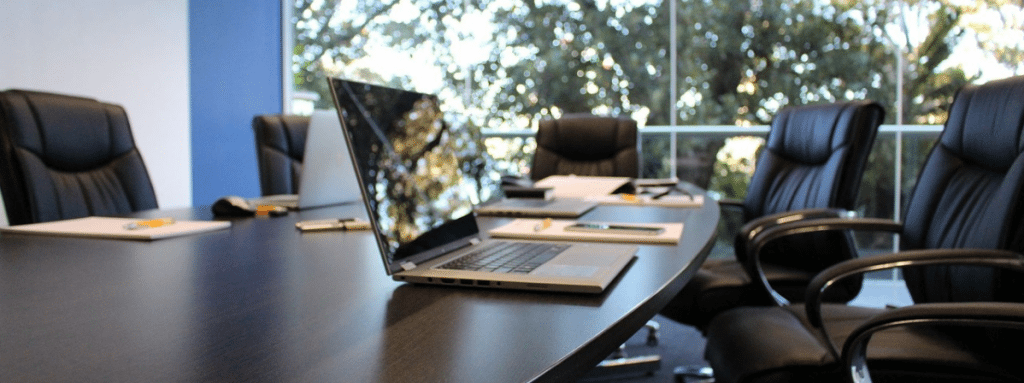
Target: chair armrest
(973,314)
(977,257)
(753,265)
(751,229)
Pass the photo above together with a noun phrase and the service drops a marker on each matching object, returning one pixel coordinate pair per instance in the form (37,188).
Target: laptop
(327,175)
(421,178)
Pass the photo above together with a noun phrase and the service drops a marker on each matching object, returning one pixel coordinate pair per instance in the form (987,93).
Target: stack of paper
(118,228)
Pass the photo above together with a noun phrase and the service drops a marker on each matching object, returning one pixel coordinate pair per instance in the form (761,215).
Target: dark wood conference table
(264,302)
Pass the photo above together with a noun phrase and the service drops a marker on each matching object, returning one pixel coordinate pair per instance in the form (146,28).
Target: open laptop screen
(420,174)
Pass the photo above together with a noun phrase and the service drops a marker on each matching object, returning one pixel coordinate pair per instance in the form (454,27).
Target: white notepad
(109,227)
(526,228)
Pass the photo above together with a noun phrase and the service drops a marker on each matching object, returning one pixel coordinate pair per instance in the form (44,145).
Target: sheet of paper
(527,228)
(109,227)
(581,186)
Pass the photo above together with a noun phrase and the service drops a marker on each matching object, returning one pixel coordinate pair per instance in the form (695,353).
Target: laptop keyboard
(507,257)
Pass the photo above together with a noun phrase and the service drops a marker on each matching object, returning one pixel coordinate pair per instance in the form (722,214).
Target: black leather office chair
(967,208)
(811,167)
(68,157)
(280,148)
(586,145)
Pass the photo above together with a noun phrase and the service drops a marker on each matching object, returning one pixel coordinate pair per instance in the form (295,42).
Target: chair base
(694,374)
(619,364)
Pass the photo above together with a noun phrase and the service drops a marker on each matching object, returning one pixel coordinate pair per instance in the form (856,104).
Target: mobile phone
(615,228)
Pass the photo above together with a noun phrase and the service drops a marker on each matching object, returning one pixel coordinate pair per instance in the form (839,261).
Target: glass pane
(655,152)
(916,147)
(512,155)
(947,45)
(742,61)
(500,65)
(876,198)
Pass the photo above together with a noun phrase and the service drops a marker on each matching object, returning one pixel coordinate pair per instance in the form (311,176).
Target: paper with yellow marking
(118,228)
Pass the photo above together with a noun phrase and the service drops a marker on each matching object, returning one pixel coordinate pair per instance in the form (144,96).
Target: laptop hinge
(408,266)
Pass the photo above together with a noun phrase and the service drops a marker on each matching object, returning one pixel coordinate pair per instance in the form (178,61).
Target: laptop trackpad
(550,270)
(575,264)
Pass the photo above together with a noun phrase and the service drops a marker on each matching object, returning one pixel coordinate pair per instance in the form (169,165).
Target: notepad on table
(527,228)
(117,228)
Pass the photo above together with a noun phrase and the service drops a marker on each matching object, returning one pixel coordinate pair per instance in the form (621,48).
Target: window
(702,77)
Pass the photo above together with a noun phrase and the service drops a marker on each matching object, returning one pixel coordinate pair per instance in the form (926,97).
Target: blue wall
(235,69)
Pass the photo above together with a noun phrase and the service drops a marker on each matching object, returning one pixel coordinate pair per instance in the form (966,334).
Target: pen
(149,223)
(546,223)
(332,224)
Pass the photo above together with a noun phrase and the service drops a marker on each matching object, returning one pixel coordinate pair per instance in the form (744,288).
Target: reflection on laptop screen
(419,172)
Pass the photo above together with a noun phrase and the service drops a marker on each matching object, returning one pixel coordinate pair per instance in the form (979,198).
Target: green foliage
(732,176)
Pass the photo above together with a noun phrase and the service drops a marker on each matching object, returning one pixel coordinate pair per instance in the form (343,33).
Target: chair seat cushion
(721,284)
(773,344)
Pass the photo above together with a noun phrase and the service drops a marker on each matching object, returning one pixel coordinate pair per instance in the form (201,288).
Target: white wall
(128,52)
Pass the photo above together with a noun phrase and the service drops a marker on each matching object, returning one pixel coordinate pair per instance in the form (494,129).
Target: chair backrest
(969,194)
(280,150)
(814,157)
(68,157)
(586,145)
